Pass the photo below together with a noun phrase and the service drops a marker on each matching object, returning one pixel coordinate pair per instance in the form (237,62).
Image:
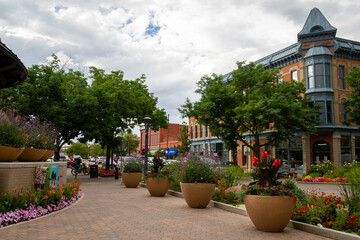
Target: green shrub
(133,166)
(233,176)
(315,174)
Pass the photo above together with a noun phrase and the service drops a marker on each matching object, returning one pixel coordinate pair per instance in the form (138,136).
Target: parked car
(70,163)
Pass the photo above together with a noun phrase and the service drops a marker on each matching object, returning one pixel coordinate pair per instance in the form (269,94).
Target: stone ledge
(27,164)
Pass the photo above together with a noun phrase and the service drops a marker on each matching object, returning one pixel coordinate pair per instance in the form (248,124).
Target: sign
(52,176)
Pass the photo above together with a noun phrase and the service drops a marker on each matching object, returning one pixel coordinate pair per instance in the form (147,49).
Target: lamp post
(147,125)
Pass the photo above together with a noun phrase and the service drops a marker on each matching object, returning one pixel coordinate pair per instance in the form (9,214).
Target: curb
(305,227)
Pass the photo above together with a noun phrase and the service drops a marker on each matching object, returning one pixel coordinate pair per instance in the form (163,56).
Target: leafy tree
(78,148)
(247,105)
(96,150)
(353,103)
(129,142)
(120,104)
(185,140)
(53,94)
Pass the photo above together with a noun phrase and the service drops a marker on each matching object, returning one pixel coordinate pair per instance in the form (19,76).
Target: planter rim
(268,196)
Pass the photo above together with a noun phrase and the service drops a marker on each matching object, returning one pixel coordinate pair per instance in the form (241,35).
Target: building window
(357,149)
(196,131)
(206,131)
(201,130)
(191,132)
(345,149)
(343,113)
(318,75)
(325,111)
(342,77)
(294,77)
(280,79)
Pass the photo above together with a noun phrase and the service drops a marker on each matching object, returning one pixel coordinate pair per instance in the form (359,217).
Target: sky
(174,43)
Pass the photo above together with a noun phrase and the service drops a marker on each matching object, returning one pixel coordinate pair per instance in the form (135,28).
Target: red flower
(264,154)
(276,163)
(255,161)
(156,154)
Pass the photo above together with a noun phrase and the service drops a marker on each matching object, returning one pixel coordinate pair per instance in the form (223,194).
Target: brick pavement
(108,210)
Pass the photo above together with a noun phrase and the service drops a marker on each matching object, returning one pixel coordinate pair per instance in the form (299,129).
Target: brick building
(158,140)
(321,60)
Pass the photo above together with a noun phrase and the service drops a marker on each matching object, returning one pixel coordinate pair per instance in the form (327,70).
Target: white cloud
(189,38)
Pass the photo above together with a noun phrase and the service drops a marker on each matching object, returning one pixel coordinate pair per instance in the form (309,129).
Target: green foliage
(96,150)
(21,199)
(224,195)
(248,103)
(11,134)
(351,192)
(233,176)
(353,103)
(196,168)
(158,163)
(78,148)
(185,140)
(288,188)
(322,168)
(133,166)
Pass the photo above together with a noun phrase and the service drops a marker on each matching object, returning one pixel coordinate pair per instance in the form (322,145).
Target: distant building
(159,140)
(321,60)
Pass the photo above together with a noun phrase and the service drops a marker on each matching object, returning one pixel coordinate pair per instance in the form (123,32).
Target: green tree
(53,94)
(353,103)
(120,104)
(78,148)
(130,143)
(96,150)
(184,138)
(247,105)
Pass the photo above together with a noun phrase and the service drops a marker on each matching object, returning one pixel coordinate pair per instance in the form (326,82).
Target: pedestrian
(292,172)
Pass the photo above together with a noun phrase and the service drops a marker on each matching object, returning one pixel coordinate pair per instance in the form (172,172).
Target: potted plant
(132,173)
(158,180)
(269,202)
(12,141)
(198,176)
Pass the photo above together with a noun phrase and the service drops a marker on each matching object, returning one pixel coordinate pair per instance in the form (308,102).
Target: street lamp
(147,125)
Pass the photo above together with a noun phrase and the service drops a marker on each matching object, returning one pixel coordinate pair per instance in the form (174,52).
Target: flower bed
(22,205)
(107,173)
(321,179)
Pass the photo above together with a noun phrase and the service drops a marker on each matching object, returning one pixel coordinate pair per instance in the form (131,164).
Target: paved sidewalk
(108,210)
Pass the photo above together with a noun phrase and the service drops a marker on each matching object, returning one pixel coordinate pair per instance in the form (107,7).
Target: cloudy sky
(174,43)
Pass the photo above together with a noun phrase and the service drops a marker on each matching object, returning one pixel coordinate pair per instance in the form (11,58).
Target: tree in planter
(353,103)
(121,104)
(55,95)
(248,104)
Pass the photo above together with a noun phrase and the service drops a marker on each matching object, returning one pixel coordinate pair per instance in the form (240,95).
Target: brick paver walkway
(108,210)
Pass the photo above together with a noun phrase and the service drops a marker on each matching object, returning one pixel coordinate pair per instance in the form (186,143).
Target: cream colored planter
(47,155)
(131,180)
(270,213)
(197,195)
(9,154)
(157,187)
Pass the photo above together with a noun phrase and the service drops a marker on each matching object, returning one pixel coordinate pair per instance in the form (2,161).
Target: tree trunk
(107,158)
(57,154)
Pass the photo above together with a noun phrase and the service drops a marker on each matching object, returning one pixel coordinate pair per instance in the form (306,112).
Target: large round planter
(47,155)
(31,155)
(131,180)
(270,213)
(157,187)
(197,195)
(9,154)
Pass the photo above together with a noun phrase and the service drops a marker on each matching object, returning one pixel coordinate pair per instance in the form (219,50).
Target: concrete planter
(131,180)
(270,213)
(157,187)
(9,154)
(197,195)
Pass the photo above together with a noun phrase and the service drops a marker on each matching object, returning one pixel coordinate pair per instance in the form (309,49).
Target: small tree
(185,140)
(353,103)
(248,104)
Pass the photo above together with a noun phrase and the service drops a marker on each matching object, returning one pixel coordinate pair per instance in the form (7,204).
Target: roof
(318,50)
(12,70)
(316,27)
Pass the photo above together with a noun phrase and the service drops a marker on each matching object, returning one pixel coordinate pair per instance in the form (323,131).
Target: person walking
(292,172)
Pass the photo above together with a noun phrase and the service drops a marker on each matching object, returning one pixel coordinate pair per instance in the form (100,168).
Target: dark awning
(12,70)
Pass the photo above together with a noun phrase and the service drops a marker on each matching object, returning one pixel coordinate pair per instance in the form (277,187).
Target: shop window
(342,77)
(318,75)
